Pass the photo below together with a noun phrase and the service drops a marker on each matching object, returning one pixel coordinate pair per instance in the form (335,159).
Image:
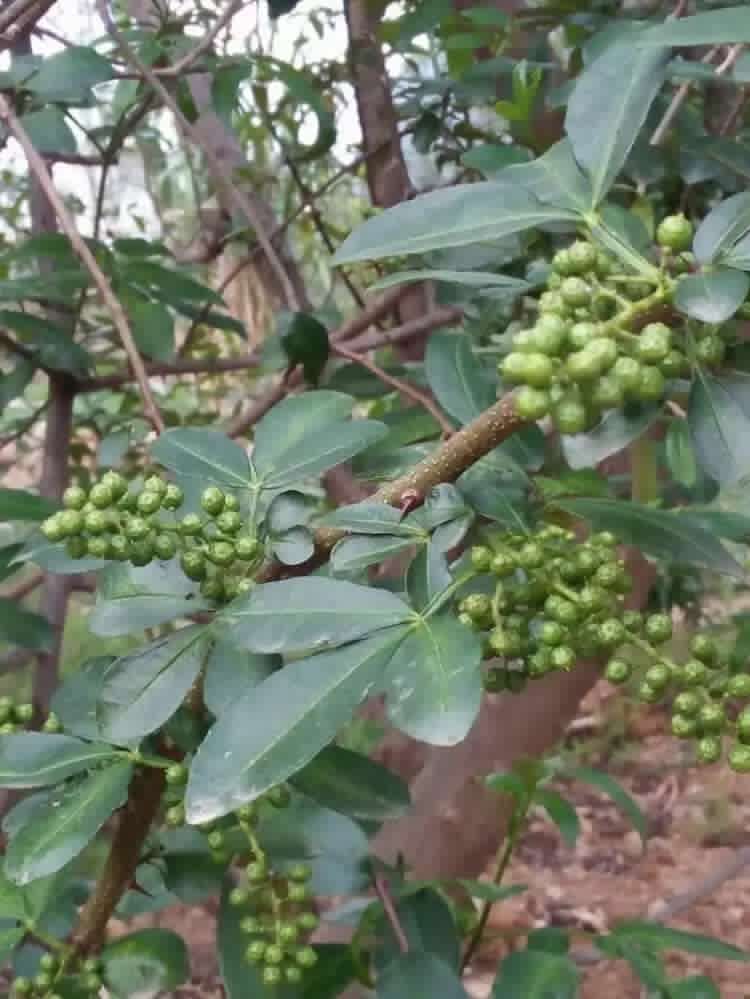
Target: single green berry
(710,350)
(119,548)
(155,484)
(742,725)
(274,954)
(98,547)
(116,483)
(279,796)
(300,872)
(658,628)
(24,712)
(531,403)
(675,232)
(246,547)
(191,525)
(739,759)
(74,498)
(71,522)
(562,263)
(693,673)
(569,415)
(101,496)
(581,334)
(687,703)
(502,565)
(618,671)
(141,552)
(607,393)
(683,727)
(575,292)
(297,892)
(221,553)
(552,633)
(177,773)
(583,257)
(95,522)
(549,335)
(212,500)
(605,350)
(552,302)
(703,647)
(148,503)
(175,816)
(307,921)
(272,975)
(628,371)
(239,897)
(193,564)
(539,371)
(476,605)
(257,871)
(674,365)
(22,986)
(583,366)
(137,528)
(652,385)
(255,951)
(76,547)
(231,502)
(658,676)
(512,369)
(562,657)
(611,632)
(712,718)
(48,962)
(173,497)
(293,975)
(709,749)
(53,529)
(647,694)
(481,557)
(633,621)
(654,343)
(229,522)
(288,933)
(531,555)
(43,981)
(306,957)
(250,925)
(739,685)
(493,680)
(165,546)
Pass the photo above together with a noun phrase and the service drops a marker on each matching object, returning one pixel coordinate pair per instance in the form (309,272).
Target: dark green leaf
(279,726)
(170,286)
(143,689)
(22,627)
(713,297)
(456,377)
(230,673)
(39,759)
(535,974)
(718,415)
(607,109)
(76,814)
(14,382)
(135,612)
(12,901)
(67,77)
(53,557)
(433,683)
(555,178)
(656,936)
(294,547)
(722,227)
(429,927)
(561,812)
(288,510)
(301,614)
(550,939)
(486,891)
(49,132)
(353,784)
(498,490)
(618,428)
(696,987)
(714,27)
(680,454)
(149,960)
(419,974)
(305,91)
(732,526)
(305,342)
(74,702)
(285,427)
(609,786)
(18,504)
(451,216)
(153,329)
(659,533)
(369,517)
(427,576)
(10,937)
(491,159)
(207,455)
(354,554)
(51,342)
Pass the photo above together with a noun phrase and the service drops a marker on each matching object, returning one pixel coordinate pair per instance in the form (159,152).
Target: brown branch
(386,899)
(182,65)
(405,388)
(241,202)
(16,348)
(23,588)
(41,172)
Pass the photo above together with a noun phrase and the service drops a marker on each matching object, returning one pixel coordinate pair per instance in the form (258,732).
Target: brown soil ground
(699,818)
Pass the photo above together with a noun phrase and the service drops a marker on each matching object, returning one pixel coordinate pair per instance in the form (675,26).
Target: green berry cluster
(594,345)
(552,601)
(14,717)
(708,701)
(63,971)
(112,521)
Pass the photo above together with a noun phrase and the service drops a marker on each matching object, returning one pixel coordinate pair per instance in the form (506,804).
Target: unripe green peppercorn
(177,773)
(675,232)
(137,528)
(712,718)
(739,759)
(212,500)
(98,547)
(272,975)
(654,343)
(71,522)
(246,547)
(76,547)
(193,564)
(739,685)
(708,749)
(221,553)
(141,552)
(148,503)
(191,525)
(658,676)
(74,498)
(293,975)
(173,497)
(155,484)
(575,292)
(308,921)
(694,673)
(658,628)
(165,546)
(481,557)
(569,415)
(687,703)
(531,403)
(229,522)
(683,727)
(502,565)
(255,951)
(101,495)
(704,648)
(618,671)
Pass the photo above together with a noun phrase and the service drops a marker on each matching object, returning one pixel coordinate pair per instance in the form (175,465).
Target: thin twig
(178,68)
(39,169)
(389,908)
(242,203)
(24,587)
(405,388)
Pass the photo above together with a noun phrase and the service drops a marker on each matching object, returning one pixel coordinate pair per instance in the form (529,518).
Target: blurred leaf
(536,974)
(428,924)
(40,759)
(609,786)
(419,974)
(149,960)
(18,504)
(657,937)
(68,77)
(617,429)
(722,227)
(680,454)
(22,627)
(353,784)
(718,414)
(231,672)
(49,132)
(561,812)
(153,329)
(712,27)
(207,455)
(712,297)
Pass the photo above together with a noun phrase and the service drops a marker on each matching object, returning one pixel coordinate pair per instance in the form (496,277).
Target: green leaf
(12,900)
(150,960)
(305,91)
(76,814)
(22,627)
(279,726)
(354,785)
(49,131)
(419,974)
(695,987)
(555,178)
(207,455)
(288,510)
(67,77)
(427,576)
(714,27)
(74,702)
(287,425)
(9,940)
(330,446)
(230,673)
(456,377)
(470,279)
(722,227)
(355,554)
(609,786)
(14,382)
(143,689)
(561,812)
(153,329)
(39,759)
(433,683)
(656,936)
(369,517)
(536,974)
(52,343)
(428,924)
(53,557)
(294,547)
(450,216)
(486,891)
(19,504)
(497,490)
(617,429)
(659,533)
(490,159)
(607,109)
(712,297)
(305,342)
(680,454)
(718,415)
(300,614)
(134,612)
(169,286)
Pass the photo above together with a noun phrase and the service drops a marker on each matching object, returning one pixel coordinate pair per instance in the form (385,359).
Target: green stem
(442,598)
(644,471)
(504,854)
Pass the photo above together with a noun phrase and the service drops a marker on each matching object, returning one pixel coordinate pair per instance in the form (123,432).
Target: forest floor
(698,817)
